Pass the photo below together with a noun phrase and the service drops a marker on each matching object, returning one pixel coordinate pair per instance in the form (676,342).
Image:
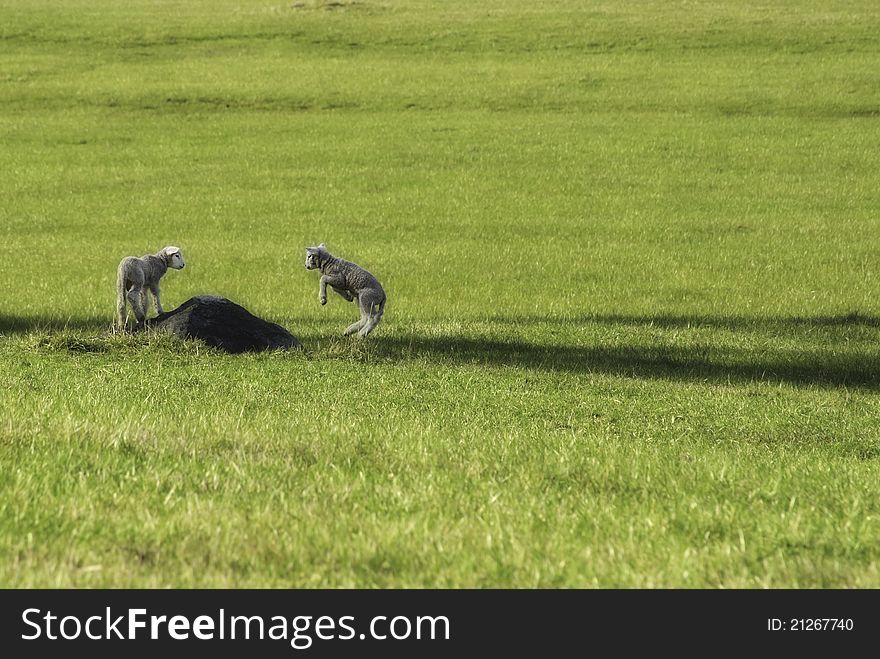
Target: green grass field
(630,248)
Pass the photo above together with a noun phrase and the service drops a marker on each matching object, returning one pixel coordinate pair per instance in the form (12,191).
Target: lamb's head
(315,256)
(173,257)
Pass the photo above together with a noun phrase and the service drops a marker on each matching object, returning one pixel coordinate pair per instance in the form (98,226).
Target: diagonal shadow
(816,366)
(19,324)
(680,321)
(853,319)
(698,364)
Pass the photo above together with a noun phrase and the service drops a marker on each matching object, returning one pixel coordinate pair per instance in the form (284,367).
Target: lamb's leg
(358,326)
(372,308)
(136,298)
(121,315)
(369,326)
(336,282)
(155,291)
(354,327)
(344,293)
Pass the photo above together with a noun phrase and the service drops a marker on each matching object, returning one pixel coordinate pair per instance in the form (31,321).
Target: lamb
(135,275)
(352,282)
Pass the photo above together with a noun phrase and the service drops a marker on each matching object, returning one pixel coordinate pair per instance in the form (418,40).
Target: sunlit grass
(632,330)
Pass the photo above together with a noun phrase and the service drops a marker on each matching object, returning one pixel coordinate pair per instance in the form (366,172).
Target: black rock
(223,324)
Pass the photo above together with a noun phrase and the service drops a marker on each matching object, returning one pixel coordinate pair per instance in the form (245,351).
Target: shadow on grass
(698,363)
(816,366)
(793,324)
(15,324)
(666,363)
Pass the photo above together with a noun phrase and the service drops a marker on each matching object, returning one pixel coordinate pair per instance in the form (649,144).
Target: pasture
(630,248)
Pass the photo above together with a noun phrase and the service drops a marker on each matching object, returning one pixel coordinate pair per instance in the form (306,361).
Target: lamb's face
(175,258)
(311,259)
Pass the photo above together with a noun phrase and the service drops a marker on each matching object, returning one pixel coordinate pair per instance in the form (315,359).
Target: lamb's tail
(120,298)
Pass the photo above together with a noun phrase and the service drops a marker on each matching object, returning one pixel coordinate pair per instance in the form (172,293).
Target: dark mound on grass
(223,324)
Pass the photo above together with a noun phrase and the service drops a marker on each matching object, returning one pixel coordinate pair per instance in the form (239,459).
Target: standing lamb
(352,282)
(136,275)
